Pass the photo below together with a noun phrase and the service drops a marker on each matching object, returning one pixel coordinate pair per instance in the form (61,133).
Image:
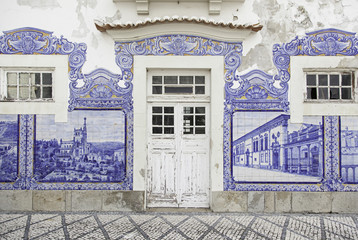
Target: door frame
(214,64)
(178,101)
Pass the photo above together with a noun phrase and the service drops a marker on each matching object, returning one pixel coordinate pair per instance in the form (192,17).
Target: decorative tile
(9,150)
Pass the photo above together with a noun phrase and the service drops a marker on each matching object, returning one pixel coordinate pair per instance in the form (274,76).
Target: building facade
(232,105)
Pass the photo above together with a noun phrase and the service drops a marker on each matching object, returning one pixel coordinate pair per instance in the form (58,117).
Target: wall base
(222,201)
(285,202)
(95,200)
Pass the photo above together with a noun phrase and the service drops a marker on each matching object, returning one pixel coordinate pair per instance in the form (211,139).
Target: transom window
(178,85)
(27,85)
(329,85)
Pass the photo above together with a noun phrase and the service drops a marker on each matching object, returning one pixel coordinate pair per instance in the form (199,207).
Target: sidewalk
(154,225)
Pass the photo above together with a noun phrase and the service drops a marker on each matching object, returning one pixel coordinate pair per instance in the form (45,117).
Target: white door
(178,155)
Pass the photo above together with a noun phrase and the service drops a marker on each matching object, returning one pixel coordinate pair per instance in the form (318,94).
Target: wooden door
(178,155)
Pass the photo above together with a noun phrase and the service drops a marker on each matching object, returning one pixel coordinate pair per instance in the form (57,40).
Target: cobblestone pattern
(176,226)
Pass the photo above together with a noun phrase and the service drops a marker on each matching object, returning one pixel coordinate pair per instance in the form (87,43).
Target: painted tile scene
(349,149)
(9,135)
(266,147)
(90,147)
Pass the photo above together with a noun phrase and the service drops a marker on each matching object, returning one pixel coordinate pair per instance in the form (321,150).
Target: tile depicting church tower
(81,150)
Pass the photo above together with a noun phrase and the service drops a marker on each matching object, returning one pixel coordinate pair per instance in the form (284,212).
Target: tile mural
(90,147)
(9,136)
(349,149)
(266,147)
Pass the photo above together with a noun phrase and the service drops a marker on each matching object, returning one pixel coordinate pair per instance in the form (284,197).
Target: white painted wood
(178,164)
(214,65)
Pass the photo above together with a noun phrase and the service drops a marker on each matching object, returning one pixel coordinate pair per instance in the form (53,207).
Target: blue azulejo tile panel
(267,148)
(9,154)
(89,148)
(349,149)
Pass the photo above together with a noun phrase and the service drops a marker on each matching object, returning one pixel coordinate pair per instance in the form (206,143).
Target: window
(27,86)
(194,120)
(322,85)
(174,85)
(329,86)
(162,120)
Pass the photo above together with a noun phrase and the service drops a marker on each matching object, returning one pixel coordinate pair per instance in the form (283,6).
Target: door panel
(178,161)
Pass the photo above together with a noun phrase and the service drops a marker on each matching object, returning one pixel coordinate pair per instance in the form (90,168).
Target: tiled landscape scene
(9,135)
(90,147)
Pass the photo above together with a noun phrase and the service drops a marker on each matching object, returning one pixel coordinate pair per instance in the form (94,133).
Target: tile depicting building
(267,148)
(9,135)
(81,150)
(349,149)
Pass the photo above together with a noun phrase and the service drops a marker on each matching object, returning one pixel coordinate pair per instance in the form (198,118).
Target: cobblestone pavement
(154,225)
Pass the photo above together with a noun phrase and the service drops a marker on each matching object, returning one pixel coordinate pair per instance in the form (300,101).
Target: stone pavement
(174,225)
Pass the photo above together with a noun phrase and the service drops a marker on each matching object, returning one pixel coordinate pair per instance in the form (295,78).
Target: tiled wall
(263,151)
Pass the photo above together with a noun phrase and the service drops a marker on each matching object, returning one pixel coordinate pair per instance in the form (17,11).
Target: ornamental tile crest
(36,41)
(178,45)
(101,90)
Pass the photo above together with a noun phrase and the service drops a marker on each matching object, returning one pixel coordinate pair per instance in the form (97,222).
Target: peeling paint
(142,172)
(39,3)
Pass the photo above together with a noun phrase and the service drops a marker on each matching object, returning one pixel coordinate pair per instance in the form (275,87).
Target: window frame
(178,72)
(4,84)
(328,72)
(297,87)
(60,84)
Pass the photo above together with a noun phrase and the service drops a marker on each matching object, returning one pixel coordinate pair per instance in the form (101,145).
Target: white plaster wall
(282,21)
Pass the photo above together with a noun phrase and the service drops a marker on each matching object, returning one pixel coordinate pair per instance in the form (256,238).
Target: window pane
(37,78)
(170,79)
(157,80)
(24,78)
(186,80)
(47,78)
(311,93)
(24,93)
(47,92)
(346,93)
(200,110)
(157,120)
(334,93)
(32,78)
(322,80)
(323,93)
(35,92)
(188,130)
(311,80)
(178,89)
(11,78)
(157,109)
(169,109)
(199,89)
(188,121)
(346,80)
(188,110)
(200,120)
(157,130)
(199,79)
(169,120)
(12,93)
(157,90)
(200,130)
(334,80)
(169,130)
